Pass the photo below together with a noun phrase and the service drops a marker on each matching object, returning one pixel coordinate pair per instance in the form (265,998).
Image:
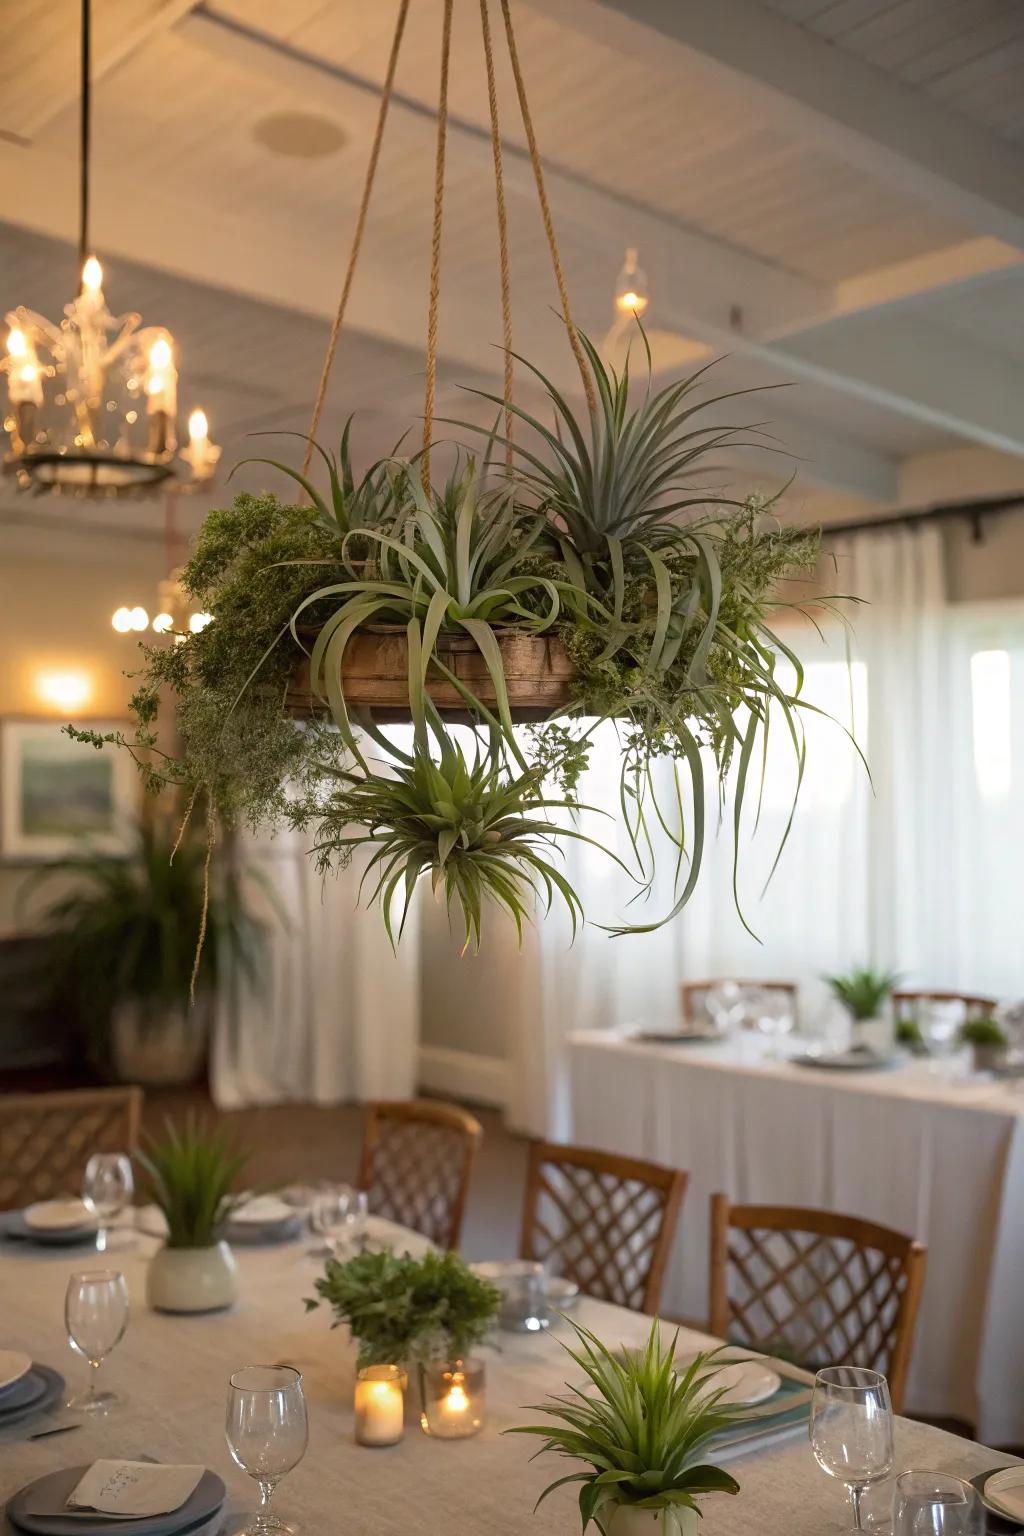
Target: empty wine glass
(108,1187)
(328,1216)
(267,1431)
(940,1022)
(355,1220)
(852,1429)
(724,1004)
(773,1016)
(96,1316)
(935,1504)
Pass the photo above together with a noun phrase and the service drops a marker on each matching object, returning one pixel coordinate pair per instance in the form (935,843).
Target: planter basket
(375,676)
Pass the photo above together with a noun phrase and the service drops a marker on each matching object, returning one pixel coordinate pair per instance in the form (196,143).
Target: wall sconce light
(63,691)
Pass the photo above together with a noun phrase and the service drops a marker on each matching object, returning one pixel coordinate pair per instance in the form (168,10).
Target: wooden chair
(693,994)
(606,1222)
(46,1139)
(815,1288)
(417,1159)
(905,1004)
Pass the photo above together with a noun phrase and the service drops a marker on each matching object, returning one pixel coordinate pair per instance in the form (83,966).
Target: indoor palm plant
(865,992)
(124,951)
(190,1175)
(641,1429)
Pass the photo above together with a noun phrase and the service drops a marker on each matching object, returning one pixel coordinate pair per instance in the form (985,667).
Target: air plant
(191,1175)
(863,992)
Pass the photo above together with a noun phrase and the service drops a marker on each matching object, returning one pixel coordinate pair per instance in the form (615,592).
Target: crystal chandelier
(93,400)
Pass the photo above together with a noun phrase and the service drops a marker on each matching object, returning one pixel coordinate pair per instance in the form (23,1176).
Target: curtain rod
(940,512)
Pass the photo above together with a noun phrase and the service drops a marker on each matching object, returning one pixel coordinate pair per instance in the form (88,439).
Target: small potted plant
(409,1312)
(908,1034)
(641,1428)
(988,1042)
(190,1175)
(864,993)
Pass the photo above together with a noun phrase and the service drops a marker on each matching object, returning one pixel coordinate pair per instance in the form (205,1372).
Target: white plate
(745,1383)
(560,1292)
(262,1211)
(59,1216)
(13,1366)
(991,1493)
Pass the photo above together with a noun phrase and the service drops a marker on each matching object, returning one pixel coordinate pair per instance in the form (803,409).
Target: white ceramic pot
(162,1050)
(192,1279)
(627,1520)
(878,1034)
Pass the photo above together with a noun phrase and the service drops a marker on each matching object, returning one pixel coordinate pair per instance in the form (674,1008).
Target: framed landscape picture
(59,797)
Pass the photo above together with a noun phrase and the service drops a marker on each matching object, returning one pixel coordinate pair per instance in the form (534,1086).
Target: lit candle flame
(198,426)
(160,354)
(92,275)
(17,342)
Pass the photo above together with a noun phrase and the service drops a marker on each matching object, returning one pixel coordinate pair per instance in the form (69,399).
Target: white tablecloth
(174,1371)
(941,1160)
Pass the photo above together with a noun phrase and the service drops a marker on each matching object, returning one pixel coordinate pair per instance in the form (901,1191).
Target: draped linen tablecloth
(174,1371)
(938,1159)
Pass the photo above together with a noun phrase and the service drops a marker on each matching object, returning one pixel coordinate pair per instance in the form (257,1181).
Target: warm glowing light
(631,295)
(199,621)
(456,1401)
(122,620)
(28,373)
(64,690)
(139,618)
(92,275)
(160,353)
(162,623)
(198,426)
(17,342)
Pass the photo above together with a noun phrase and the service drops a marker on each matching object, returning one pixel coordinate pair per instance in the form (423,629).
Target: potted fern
(865,993)
(641,1430)
(190,1175)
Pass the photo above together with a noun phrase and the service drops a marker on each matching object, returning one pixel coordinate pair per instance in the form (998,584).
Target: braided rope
(435,244)
(499,192)
(542,198)
(357,238)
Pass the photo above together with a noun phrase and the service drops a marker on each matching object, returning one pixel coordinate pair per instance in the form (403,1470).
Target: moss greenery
(598,535)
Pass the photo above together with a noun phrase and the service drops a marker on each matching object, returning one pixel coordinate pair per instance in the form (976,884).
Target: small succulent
(642,1432)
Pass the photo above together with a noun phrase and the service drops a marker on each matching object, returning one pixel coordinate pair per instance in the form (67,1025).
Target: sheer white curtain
(866,874)
(335,1016)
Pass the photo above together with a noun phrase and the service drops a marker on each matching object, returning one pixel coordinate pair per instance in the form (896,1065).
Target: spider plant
(190,1175)
(863,992)
(640,1428)
(477,830)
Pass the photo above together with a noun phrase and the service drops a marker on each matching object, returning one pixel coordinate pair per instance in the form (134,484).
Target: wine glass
(940,1021)
(773,1016)
(356,1216)
(935,1504)
(328,1216)
(852,1429)
(267,1431)
(725,1005)
(108,1187)
(95,1316)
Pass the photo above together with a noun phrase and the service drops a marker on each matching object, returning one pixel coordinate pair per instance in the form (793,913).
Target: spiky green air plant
(191,1176)
(863,992)
(640,1429)
(479,832)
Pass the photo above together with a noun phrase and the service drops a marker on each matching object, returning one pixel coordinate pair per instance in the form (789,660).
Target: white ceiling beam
(919,278)
(825,458)
(836,100)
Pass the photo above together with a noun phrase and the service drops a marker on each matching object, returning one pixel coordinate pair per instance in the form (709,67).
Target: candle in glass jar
(380,1405)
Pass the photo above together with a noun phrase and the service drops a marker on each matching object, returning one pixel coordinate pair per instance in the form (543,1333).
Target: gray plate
(249,1234)
(848,1061)
(34,1509)
(995,1524)
(23,1393)
(13,1225)
(54,1391)
(678,1036)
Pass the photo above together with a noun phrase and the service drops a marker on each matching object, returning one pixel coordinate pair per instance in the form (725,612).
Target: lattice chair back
(417,1161)
(46,1139)
(606,1222)
(694,996)
(973,1005)
(815,1288)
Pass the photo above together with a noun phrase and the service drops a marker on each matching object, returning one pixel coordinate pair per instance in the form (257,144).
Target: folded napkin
(134,1488)
(1005,1490)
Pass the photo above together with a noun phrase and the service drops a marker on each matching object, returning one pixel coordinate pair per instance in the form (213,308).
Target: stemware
(96,1316)
(852,1429)
(773,1017)
(108,1187)
(267,1430)
(356,1216)
(935,1504)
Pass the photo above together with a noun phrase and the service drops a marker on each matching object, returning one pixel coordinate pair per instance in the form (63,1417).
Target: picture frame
(60,799)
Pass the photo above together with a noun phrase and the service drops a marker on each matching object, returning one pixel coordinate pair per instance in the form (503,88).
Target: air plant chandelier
(93,399)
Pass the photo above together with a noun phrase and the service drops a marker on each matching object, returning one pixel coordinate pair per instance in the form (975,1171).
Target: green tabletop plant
(642,1429)
(988,1041)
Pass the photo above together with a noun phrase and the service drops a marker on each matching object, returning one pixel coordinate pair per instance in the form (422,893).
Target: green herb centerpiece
(641,1429)
(190,1175)
(865,992)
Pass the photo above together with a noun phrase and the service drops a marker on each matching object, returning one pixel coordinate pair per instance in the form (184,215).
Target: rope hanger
(437,225)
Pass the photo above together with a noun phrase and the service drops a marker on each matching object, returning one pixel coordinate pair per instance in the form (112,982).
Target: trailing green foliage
(191,1176)
(864,992)
(640,1427)
(402,1310)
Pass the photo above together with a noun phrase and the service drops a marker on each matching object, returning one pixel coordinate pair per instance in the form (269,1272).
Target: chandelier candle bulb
(380,1405)
(201,454)
(161,395)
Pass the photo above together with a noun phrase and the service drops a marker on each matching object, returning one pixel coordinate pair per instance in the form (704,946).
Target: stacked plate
(41,1507)
(26,1388)
(1002,1493)
(264,1219)
(57,1222)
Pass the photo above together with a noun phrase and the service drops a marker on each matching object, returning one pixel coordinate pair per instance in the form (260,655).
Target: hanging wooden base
(375,676)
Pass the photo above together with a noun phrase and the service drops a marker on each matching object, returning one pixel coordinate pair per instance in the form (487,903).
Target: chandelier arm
(503,256)
(357,238)
(85,135)
(435,244)
(545,208)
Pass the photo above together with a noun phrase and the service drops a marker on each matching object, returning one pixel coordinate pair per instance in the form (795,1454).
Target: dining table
(927,1149)
(172,1372)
